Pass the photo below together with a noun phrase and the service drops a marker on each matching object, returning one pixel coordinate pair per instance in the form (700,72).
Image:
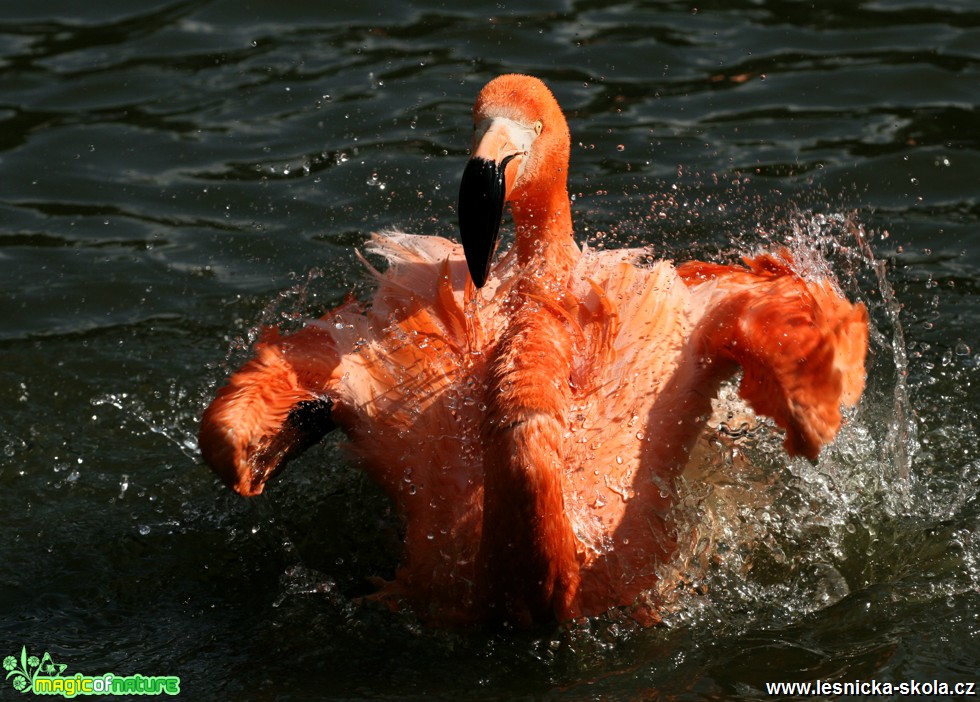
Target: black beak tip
(479,278)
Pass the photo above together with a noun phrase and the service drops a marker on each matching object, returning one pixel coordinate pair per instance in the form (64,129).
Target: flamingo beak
(482,193)
(484,188)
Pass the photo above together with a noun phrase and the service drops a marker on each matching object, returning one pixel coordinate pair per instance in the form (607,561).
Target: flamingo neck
(543,232)
(528,561)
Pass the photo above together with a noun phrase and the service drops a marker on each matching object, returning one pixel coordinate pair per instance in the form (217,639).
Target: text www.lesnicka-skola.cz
(911,688)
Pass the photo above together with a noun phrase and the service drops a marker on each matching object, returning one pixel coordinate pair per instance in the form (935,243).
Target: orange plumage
(529,430)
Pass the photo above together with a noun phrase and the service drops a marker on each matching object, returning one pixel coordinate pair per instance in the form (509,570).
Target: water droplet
(144,529)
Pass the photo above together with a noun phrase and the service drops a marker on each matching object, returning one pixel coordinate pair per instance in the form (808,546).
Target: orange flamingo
(528,421)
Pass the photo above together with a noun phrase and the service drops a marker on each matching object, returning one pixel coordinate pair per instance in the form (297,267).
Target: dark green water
(173,176)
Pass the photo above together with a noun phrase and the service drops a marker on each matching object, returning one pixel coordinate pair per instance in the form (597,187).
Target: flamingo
(528,419)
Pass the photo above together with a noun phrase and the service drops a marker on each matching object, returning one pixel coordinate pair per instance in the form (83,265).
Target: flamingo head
(520,154)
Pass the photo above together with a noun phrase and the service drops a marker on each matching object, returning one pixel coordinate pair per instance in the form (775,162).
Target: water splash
(287,312)
(771,537)
(177,426)
(826,231)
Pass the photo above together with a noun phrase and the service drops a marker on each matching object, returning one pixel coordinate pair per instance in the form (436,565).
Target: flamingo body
(529,430)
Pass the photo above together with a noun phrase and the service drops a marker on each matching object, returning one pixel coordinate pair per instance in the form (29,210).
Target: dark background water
(173,174)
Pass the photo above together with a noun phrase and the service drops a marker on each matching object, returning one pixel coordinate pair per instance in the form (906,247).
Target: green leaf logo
(25,671)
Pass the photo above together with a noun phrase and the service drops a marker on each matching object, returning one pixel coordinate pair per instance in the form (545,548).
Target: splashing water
(179,428)
(772,538)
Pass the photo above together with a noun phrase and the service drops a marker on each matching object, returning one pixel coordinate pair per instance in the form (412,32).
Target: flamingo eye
(538,127)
